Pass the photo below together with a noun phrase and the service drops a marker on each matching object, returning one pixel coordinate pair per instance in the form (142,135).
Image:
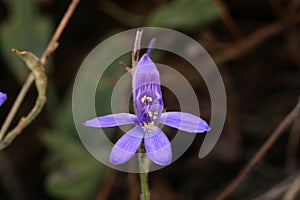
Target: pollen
(150,114)
(149,125)
(146,98)
(155,115)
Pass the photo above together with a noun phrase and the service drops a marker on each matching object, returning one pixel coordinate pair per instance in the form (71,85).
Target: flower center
(148,105)
(149,112)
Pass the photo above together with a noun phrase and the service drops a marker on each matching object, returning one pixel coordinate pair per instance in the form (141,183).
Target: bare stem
(40,77)
(228,21)
(289,119)
(30,78)
(59,30)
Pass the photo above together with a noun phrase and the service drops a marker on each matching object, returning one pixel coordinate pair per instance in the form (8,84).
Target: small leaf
(184,14)
(37,68)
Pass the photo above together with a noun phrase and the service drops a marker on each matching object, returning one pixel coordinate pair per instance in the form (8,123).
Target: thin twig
(30,78)
(261,152)
(293,190)
(293,146)
(277,191)
(59,30)
(125,66)
(16,105)
(228,21)
(40,77)
(136,47)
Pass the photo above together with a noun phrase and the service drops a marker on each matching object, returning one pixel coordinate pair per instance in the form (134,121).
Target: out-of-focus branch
(256,38)
(278,190)
(228,21)
(289,119)
(293,190)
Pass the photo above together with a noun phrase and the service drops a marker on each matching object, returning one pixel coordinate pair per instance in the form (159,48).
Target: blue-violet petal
(158,147)
(127,146)
(144,73)
(184,121)
(112,120)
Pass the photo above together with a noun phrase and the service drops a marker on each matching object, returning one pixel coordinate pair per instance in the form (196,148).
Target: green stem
(144,168)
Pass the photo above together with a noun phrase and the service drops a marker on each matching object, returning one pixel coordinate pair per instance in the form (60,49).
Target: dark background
(256,46)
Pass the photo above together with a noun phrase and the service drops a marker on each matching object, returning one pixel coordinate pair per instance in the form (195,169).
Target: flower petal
(145,73)
(3,97)
(158,147)
(112,120)
(127,145)
(184,121)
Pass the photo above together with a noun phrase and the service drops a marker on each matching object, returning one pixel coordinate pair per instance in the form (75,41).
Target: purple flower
(149,106)
(3,97)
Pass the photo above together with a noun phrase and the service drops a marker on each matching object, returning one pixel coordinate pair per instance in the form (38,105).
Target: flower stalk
(144,168)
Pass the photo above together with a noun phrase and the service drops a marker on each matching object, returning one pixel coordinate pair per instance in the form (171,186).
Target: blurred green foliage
(24,29)
(188,15)
(72,172)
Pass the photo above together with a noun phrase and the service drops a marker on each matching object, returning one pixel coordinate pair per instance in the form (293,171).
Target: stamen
(145,98)
(148,125)
(150,114)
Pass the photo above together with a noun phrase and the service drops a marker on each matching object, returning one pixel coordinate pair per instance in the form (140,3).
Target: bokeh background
(256,45)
